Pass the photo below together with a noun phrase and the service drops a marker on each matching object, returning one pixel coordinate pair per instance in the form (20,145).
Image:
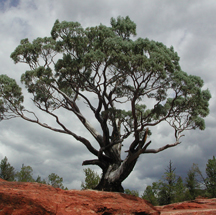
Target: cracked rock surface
(33,198)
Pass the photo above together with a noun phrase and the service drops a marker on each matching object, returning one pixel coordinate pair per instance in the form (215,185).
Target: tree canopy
(129,85)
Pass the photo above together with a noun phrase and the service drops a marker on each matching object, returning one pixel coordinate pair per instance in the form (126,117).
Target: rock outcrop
(199,206)
(20,198)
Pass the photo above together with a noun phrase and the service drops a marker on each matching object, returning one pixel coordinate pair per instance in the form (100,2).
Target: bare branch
(64,130)
(162,148)
(94,162)
(166,146)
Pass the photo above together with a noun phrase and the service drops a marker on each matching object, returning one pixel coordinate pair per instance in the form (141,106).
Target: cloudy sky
(189,26)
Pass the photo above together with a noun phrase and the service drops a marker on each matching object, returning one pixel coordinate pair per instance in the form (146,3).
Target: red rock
(196,207)
(188,205)
(20,198)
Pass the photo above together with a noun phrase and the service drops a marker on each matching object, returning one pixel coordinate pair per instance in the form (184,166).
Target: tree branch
(161,148)
(64,131)
(94,162)
(77,112)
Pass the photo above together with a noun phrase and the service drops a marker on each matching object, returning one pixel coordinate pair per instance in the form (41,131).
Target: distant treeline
(169,189)
(7,172)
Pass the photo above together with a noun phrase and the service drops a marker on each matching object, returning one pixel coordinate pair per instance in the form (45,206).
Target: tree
(7,171)
(55,181)
(25,174)
(128,85)
(168,190)
(131,192)
(151,193)
(39,180)
(92,179)
(167,185)
(179,190)
(210,180)
(192,182)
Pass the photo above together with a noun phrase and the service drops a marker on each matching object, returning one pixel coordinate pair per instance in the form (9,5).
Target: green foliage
(150,193)
(39,180)
(25,174)
(55,181)
(123,27)
(10,97)
(169,190)
(6,170)
(173,189)
(192,182)
(179,190)
(92,179)
(167,186)
(211,177)
(85,52)
(131,192)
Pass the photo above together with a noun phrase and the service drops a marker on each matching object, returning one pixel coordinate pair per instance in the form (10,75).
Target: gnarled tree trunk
(114,175)
(114,170)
